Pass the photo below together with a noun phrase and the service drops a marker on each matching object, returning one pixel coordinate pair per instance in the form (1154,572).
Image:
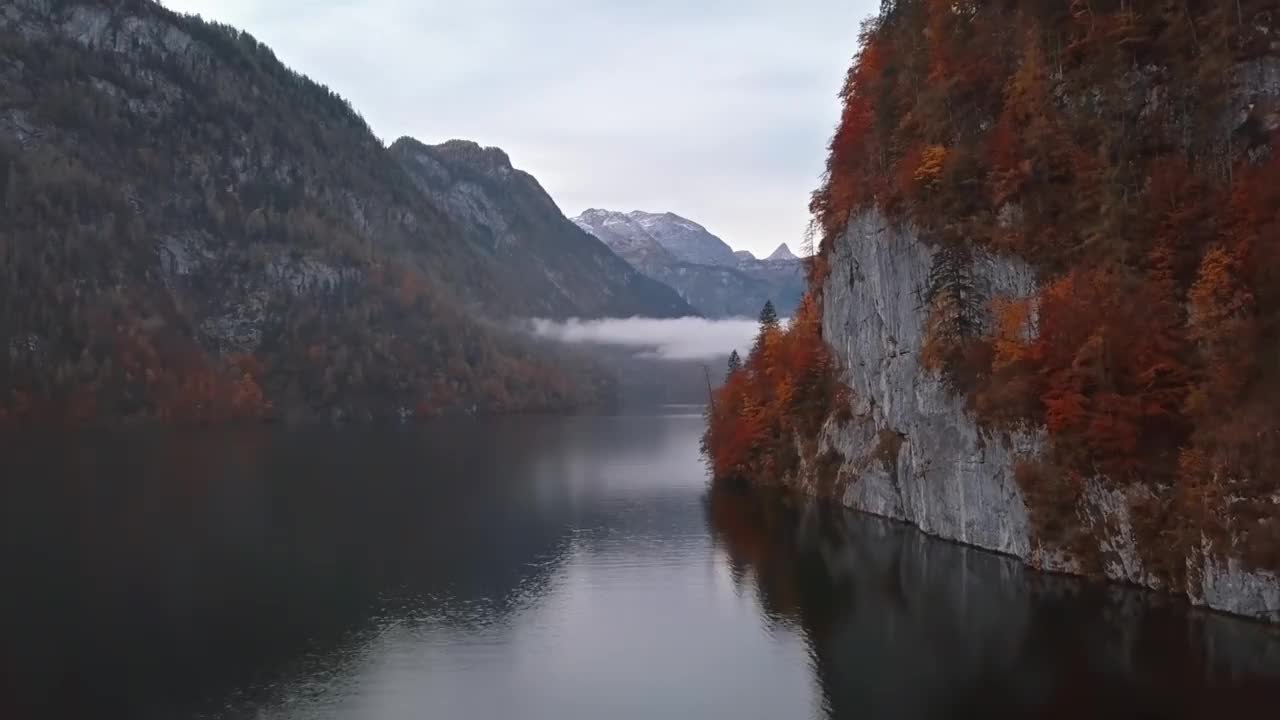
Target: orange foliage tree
(783,391)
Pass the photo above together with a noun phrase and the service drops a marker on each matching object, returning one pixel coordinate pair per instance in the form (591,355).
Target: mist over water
(688,338)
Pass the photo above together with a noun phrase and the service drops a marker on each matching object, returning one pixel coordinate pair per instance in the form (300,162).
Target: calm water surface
(541,568)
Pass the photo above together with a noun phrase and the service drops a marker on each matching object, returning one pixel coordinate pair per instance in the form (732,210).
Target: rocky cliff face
(913,452)
(700,266)
(1048,237)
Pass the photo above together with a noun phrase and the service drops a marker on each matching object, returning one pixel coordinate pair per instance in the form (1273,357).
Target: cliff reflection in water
(903,625)
(541,569)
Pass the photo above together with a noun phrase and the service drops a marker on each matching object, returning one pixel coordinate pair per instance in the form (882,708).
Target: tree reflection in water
(906,626)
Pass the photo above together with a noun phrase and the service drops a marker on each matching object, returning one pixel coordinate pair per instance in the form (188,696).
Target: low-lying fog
(655,361)
(689,338)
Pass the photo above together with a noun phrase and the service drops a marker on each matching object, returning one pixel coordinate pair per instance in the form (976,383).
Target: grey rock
(950,477)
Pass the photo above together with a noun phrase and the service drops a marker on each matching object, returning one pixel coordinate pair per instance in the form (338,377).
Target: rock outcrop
(913,452)
(1046,271)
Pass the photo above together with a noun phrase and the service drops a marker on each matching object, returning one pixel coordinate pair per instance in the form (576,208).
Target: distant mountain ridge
(628,238)
(704,269)
(684,238)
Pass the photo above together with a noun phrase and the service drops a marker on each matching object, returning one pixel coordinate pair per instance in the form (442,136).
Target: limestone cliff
(913,452)
(1048,241)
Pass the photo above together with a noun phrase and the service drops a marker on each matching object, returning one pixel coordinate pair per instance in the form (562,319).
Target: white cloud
(717,110)
(688,338)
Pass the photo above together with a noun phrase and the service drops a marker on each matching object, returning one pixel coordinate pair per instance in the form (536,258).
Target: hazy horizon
(719,113)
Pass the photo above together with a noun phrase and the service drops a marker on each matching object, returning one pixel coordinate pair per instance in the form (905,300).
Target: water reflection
(538,568)
(908,627)
(160,571)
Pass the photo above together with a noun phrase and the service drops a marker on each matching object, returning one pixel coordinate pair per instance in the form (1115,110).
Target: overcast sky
(718,110)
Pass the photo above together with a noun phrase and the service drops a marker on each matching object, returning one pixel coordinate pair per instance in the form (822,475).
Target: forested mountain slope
(192,231)
(1050,237)
(538,254)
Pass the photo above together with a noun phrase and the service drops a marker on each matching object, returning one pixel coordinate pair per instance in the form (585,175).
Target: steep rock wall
(911,451)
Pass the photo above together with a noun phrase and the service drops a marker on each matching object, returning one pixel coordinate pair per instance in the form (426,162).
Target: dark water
(537,568)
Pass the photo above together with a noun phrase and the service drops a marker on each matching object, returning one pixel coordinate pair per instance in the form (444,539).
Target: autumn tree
(1114,151)
(787,385)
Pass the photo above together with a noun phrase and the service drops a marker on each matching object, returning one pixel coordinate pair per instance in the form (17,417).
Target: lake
(542,568)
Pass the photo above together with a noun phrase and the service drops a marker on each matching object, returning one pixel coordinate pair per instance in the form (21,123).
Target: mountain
(626,237)
(782,253)
(784,275)
(700,266)
(684,238)
(1047,293)
(718,291)
(553,267)
(190,231)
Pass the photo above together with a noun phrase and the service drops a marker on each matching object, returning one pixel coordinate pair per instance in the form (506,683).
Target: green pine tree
(768,316)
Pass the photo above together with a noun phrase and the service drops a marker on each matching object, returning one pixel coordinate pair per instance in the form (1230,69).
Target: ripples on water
(543,568)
